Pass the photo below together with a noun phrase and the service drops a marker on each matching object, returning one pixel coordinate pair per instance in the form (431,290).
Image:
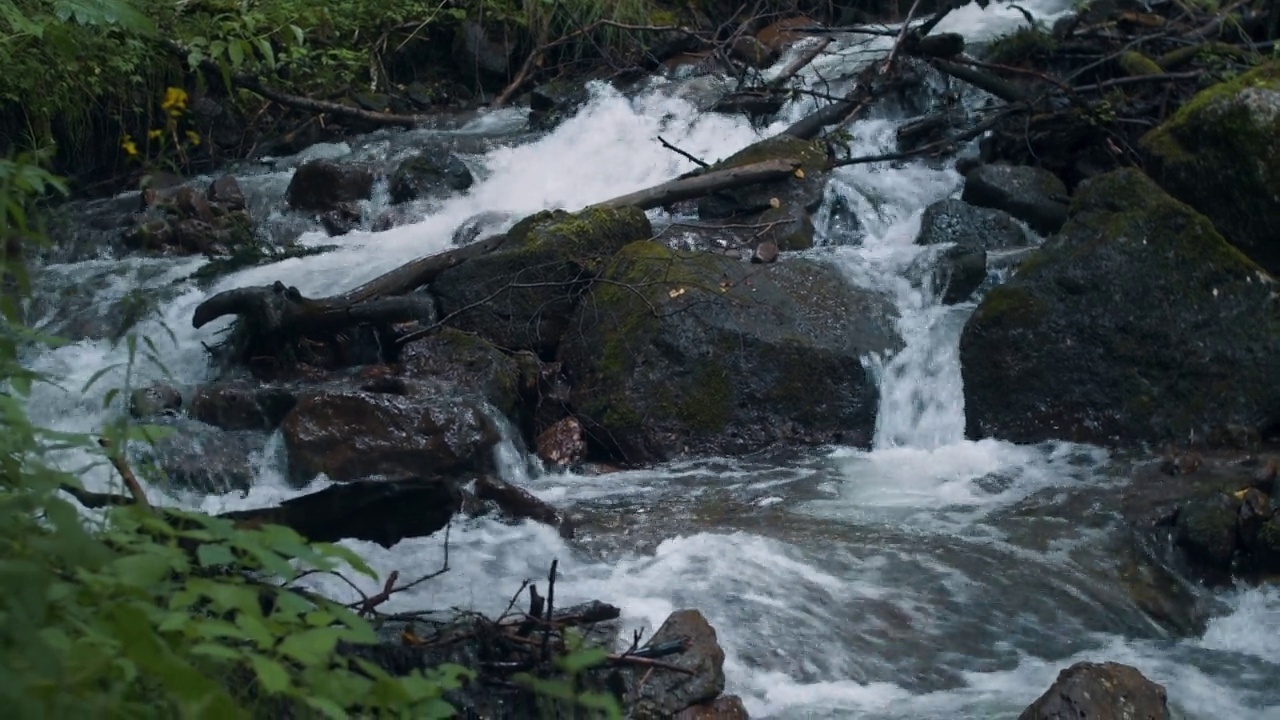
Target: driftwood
(704,184)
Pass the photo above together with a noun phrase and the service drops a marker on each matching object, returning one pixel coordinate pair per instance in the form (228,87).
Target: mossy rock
(521,296)
(1136,323)
(800,194)
(678,353)
(1220,153)
(429,173)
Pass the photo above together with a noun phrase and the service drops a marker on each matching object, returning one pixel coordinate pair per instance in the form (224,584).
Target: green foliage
(560,697)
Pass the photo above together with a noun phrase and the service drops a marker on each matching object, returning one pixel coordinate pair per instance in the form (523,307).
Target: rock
(562,444)
(1206,530)
(467,365)
(766,252)
(1136,323)
(1033,195)
(554,102)
(1100,691)
(973,230)
(790,194)
(201,458)
(242,406)
(688,352)
(342,219)
(226,191)
(656,693)
(942,45)
(956,221)
(1220,154)
(377,510)
(155,400)
(752,52)
(323,185)
(432,173)
(554,255)
(352,434)
(520,504)
(725,707)
(477,52)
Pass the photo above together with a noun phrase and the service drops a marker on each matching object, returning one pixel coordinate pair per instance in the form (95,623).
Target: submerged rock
(154,400)
(242,405)
(1138,322)
(1221,155)
(679,353)
(521,296)
(199,457)
(186,220)
(1100,691)
(1033,195)
(325,186)
(351,434)
(429,173)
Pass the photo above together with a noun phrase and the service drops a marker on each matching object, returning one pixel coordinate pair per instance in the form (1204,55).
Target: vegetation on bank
(77,72)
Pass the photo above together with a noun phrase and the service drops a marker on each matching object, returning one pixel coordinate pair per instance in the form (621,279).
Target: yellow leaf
(775,203)
(800,173)
(676,292)
(1241,493)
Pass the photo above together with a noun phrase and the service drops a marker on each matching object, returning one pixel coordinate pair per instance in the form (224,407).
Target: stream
(929,577)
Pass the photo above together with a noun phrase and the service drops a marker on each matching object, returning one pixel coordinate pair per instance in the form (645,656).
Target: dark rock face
(381,511)
(429,174)
(972,231)
(467,365)
(1138,322)
(352,434)
(1220,154)
(477,52)
(686,352)
(1033,195)
(324,186)
(1100,691)
(242,406)
(522,296)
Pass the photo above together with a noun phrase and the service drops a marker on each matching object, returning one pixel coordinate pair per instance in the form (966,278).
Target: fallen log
(705,183)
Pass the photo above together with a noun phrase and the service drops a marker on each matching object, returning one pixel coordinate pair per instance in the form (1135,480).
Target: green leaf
(268,52)
(272,675)
(326,706)
(216,651)
(235,51)
(311,646)
(144,570)
(581,660)
(210,555)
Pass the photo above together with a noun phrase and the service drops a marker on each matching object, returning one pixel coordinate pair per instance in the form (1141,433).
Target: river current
(929,577)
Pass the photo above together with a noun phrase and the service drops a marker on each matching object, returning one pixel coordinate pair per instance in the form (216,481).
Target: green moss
(1211,116)
(1021,46)
(706,403)
(1009,303)
(811,154)
(584,237)
(1135,63)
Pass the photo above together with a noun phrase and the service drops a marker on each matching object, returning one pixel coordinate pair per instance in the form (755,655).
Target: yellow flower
(130,148)
(193,137)
(155,134)
(175,100)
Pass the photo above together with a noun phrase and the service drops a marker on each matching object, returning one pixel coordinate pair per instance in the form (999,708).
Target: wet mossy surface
(675,353)
(1137,323)
(522,295)
(1220,153)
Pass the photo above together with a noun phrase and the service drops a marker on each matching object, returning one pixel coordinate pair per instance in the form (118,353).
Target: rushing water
(928,577)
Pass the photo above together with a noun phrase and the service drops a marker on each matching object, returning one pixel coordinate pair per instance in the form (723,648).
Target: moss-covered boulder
(1221,155)
(521,296)
(1137,322)
(434,172)
(467,365)
(676,353)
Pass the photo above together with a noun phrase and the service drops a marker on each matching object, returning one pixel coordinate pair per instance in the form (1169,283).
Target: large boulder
(689,352)
(325,186)
(1100,691)
(1031,194)
(522,295)
(659,695)
(468,364)
(407,430)
(1137,322)
(1221,155)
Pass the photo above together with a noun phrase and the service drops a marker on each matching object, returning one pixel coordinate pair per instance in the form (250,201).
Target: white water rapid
(930,577)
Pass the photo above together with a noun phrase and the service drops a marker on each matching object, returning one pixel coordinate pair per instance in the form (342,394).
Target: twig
(682,153)
(1135,79)
(902,36)
(375,600)
(368,604)
(91,499)
(551,598)
(126,473)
